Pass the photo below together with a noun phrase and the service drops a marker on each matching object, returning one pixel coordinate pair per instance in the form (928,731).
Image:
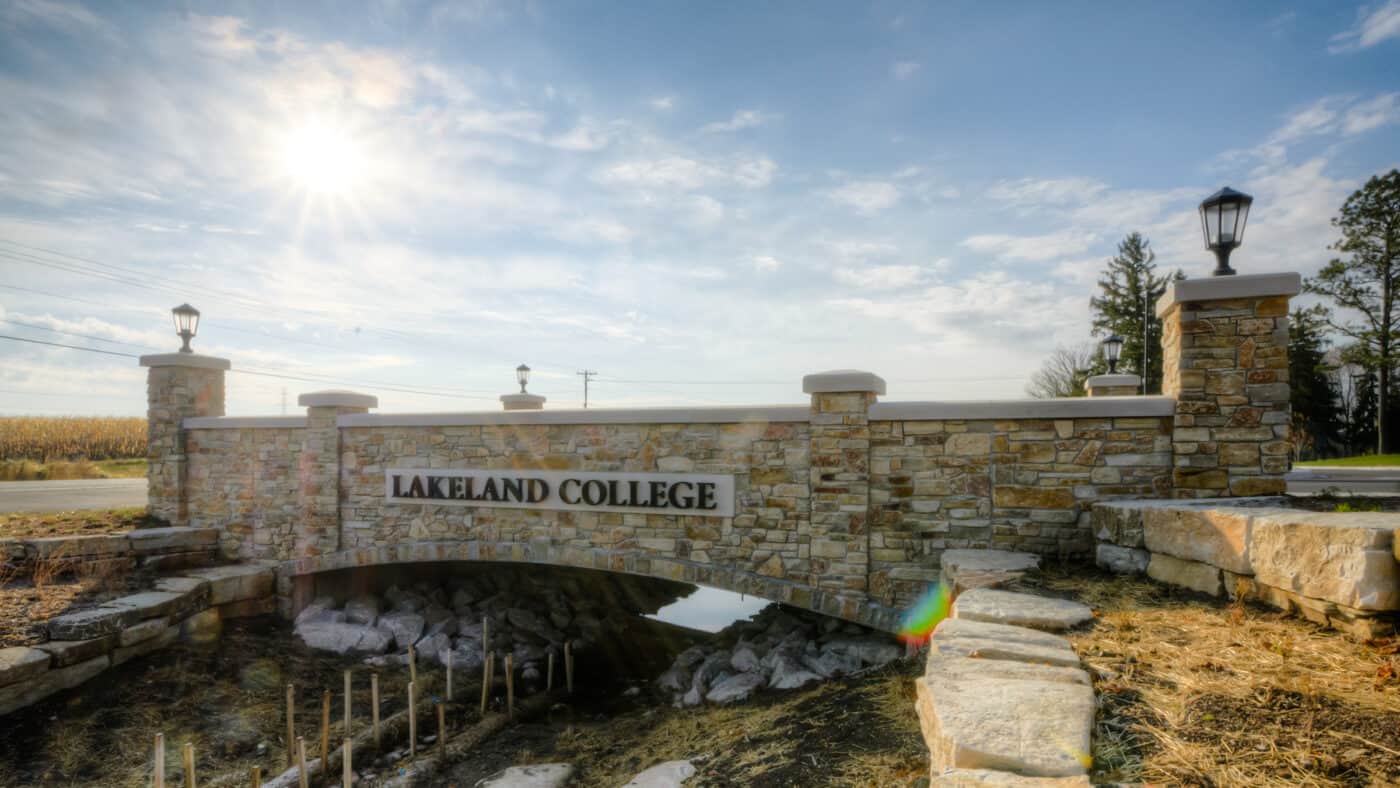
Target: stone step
(967,569)
(1021,610)
(960,637)
(990,778)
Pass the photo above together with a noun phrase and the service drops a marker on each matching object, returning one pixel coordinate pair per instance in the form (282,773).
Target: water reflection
(710,609)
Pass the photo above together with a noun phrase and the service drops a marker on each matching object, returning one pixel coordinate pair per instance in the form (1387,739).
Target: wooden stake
(303,779)
(412,665)
(347,774)
(347,704)
(549,673)
(569,665)
(412,719)
(255,777)
(291,726)
(485,635)
(449,677)
(325,727)
(374,707)
(160,761)
(485,679)
(442,733)
(189,765)
(510,686)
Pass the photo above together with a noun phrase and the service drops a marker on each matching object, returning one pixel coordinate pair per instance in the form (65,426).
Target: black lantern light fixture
(1112,349)
(186,324)
(1223,215)
(522,376)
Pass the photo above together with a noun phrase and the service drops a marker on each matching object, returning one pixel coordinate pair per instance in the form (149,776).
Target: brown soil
(86,523)
(1194,691)
(26,607)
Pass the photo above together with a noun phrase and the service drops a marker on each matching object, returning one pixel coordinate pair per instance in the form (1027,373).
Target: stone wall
(178,386)
(1013,484)
(245,481)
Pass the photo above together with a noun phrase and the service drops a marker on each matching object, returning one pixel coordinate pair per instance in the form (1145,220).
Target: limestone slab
(21,663)
(1188,574)
(1021,610)
(157,540)
(670,774)
(955,668)
(161,639)
(1032,728)
(77,546)
(1121,560)
(963,638)
(151,604)
(85,624)
(540,775)
(139,633)
(1215,536)
(964,569)
(71,652)
(1346,558)
(991,778)
(17,696)
(236,582)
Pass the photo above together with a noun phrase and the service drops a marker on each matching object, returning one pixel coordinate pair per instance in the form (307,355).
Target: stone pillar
(522,401)
(839,455)
(1112,385)
(178,386)
(318,471)
(1225,361)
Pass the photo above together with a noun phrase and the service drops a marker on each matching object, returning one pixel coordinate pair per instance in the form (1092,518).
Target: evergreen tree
(1127,306)
(1316,417)
(1366,282)
(1363,436)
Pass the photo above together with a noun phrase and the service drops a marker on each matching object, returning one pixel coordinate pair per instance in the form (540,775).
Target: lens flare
(920,619)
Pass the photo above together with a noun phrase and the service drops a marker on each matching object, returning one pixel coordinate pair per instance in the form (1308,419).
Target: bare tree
(1063,373)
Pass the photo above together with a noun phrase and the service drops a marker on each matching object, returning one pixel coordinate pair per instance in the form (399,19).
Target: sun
(321,158)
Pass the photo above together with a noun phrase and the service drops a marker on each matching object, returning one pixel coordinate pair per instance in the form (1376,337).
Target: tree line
(1344,349)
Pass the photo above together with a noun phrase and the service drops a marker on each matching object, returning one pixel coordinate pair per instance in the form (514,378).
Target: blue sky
(702,202)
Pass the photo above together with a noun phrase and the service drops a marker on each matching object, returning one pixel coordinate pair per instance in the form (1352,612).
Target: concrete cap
(194,360)
(337,398)
(1224,288)
(520,401)
(1104,381)
(842,380)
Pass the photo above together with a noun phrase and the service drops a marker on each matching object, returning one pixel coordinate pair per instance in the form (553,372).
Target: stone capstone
(1346,558)
(1022,610)
(145,541)
(1219,537)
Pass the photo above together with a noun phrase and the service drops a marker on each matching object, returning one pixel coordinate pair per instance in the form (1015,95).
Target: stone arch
(856,607)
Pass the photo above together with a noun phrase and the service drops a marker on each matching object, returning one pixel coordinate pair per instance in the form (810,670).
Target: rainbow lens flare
(920,619)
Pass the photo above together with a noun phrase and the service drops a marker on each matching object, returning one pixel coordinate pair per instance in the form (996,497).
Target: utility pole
(587,375)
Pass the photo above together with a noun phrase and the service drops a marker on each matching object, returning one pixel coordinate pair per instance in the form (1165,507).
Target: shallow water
(710,609)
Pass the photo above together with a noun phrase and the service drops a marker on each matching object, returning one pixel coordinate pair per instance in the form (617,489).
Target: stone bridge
(841,506)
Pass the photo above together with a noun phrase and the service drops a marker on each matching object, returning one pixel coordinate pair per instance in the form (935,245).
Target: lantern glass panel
(1240,221)
(1229,212)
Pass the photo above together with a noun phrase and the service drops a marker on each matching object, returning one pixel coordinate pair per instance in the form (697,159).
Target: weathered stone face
(1343,558)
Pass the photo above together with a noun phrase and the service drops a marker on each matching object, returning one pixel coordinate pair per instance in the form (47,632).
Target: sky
(701,202)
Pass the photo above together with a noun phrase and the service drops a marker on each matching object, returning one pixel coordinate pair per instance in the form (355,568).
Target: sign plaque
(698,494)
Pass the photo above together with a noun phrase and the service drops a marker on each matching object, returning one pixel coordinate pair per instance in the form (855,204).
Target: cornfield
(71,438)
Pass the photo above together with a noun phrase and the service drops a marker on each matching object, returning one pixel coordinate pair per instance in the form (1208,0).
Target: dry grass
(71,438)
(1197,693)
(33,525)
(33,470)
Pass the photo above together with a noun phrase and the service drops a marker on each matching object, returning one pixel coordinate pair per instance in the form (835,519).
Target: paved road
(71,494)
(1353,480)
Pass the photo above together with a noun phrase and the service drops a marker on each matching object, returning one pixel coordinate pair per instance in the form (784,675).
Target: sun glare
(322,158)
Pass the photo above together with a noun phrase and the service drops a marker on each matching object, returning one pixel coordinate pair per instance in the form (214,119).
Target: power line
(74,334)
(587,375)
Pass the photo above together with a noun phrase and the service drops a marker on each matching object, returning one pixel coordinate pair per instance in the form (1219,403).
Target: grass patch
(1363,461)
(1195,692)
(31,525)
(32,470)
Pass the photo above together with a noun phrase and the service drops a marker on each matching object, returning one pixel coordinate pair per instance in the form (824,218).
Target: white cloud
(904,69)
(64,16)
(866,197)
(663,103)
(766,263)
(1038,192)
(681,172)
(1380,111)
(742,119)
(879,277)
(1032,247)
(1372,27)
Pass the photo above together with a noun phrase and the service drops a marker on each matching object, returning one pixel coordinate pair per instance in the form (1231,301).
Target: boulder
(21,663)
(789,673)
(670,774)
(965,638)
(1121,560)
(1194,575)
(870,651)
(676,679)
(342,638)
(735,688)
(965,569)
(1346,558)
(362,610)
(540,775)
(691,657)
(1021,610)
(432,647)
(708,670)
(405,627)
(464,655)
(320,611)
(829,664)
(744,659)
